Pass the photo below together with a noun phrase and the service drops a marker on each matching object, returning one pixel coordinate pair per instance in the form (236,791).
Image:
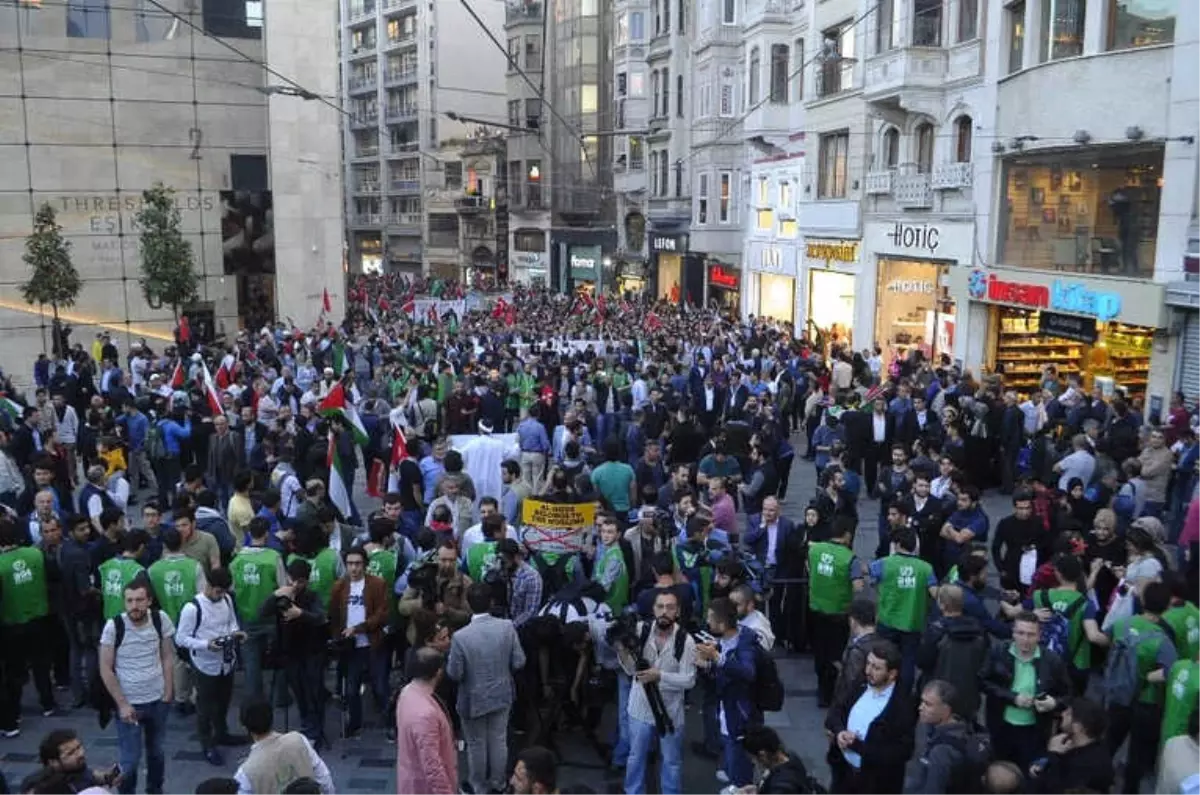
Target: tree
(168,275)
(53,279)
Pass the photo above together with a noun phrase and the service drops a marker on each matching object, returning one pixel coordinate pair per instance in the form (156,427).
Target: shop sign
(529,259)
(668,244)
(722,277)
(585,262)
(1063,296)
(774,259)
(911,237)
(909,286)
(1067,327)
(828,251)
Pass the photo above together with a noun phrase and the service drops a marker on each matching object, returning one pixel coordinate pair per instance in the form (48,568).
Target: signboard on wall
(1067,327)
(584,262)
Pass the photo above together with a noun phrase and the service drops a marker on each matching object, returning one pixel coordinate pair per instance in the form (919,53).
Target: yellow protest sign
(556,527)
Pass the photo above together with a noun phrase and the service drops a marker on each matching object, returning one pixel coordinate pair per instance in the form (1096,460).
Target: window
(891,148)
(514,51)
(454,175)
(885,37)
(724,198)
(837,68)
(637,84)
(968,19)
(622,84)
(679,96)
(755,70)
(726,109)
(514,113)
(637,26)
(927,23)
(514,184)
(621,34)
(637,152)
(779,73)
(1016,41)
(589,98)
(764,220)
(666,10)
(662,173)
(529,240)
(1062,29)
(678,178)
(653,173)
(533,52)
(88,19)
(533,184)
(962,139)
(230,19)
(798,82)
(728,12)
(788,228)
(533,113)
(1141,23)
(764,192)
(681,17)
(654,93)
(666,91)
(702,200)
(785,195)
(657,17)
(248,172)
(924,148)
(834,150)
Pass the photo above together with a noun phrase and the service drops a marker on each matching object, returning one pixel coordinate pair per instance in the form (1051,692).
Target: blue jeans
(737,765)
(620,753)
(641,742)
(151,724)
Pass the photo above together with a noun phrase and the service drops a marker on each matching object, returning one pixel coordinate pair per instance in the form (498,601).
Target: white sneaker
(722,776)
(10,733)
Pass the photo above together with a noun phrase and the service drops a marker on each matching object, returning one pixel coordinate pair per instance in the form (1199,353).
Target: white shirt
(756,621)
(879,423)
(356,610)
(474,535)
(772,542)
(217,619)
(320,772)
(709,398)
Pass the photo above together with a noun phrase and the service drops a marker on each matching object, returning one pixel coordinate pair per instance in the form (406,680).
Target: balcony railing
(528,11)
(364,118)
(404,219)
(834,77)
(362,50)
(363,82)
(951,176)
(879,183)
(393,5)
(366,219)
(471,204)
(405,186)
(401,112)
(409,38)
(404,150)
(912,191)
(364,152)
(366,186)
(404,74)
(360,11)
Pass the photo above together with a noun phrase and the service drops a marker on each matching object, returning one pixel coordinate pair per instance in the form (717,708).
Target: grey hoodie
(939,760)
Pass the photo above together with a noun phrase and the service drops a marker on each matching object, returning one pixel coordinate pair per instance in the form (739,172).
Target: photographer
(522,582)
(437,586)
(257,571)
(209,632)
(662,662)
(300,634)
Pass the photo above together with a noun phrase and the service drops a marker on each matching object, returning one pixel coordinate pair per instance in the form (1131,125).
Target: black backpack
(767,690)
(681,637)
(977,753)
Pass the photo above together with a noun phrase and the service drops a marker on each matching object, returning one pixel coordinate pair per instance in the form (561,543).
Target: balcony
(951,176)
(404,186)
(397,113)
(834,77)
(365,153)
(391,6)
(406,74)
(361,84)
(365,49)
(367,118)
(528,11)
(408,40)
(878,183)
(912,191)
(404,223)
(410,149)
(366,219)
(764,12)
(471,204)
(360,12)
(366,187)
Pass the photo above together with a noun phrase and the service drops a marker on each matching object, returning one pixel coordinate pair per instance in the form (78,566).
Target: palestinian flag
(341,362)
(210,392)
(227,371)
(337,404)
(12,408)
(178,377)
(339,489)
(399,444)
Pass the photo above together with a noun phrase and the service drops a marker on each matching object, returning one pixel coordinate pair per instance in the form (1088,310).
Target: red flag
(399,446)
(376,480)
(500,309)
(409,307)
(326,304)
(433,316)
(510,317)
(601,307)
(177,376)
(210,392)
(226,372)
(652,322)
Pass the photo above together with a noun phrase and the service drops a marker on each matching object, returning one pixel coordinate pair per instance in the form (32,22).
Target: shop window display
(830,309)
(1085,213)
(913,310)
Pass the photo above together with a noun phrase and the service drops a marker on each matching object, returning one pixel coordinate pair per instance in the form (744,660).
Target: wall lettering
(923,238)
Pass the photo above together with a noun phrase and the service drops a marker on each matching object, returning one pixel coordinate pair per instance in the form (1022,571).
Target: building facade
(407,68)
(97,104)
(468,213)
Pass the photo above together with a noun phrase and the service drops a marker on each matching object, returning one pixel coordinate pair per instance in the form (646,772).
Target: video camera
(624,632)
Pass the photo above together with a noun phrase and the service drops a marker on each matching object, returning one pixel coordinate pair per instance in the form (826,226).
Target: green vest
(480,558)
(382,563)
(1183,690)
(324,573)
(618,592)
(174,581)
(115,574)
(1146,651)
(1185,621)
(255,577)
(904,593)
(951,576)
(1061,600)
(830,589)
(699,575)
(23,595)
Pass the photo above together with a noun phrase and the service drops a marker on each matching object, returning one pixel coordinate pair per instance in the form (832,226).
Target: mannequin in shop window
(1122,210)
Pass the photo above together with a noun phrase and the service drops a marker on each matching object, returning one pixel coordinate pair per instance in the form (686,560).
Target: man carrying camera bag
(663,665)
(209,632)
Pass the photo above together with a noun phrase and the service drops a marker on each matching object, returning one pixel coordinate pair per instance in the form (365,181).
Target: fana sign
(827,251)
(1060,295)
(585,262)
(909,286)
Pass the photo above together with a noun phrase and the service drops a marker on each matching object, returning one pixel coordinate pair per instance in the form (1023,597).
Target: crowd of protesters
(176,520)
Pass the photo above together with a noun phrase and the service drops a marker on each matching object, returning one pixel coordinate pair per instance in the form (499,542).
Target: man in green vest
(1066,600)
(177,579)
(257,570)
(1183,617)
(118,572)
(481,556)
(610,569)
(312,546)
(1183,693)
(835,573)
(906,583)
(24,612)
(384,561)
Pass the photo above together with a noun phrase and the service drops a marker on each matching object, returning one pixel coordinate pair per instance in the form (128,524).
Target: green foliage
(53,279)
(168,275)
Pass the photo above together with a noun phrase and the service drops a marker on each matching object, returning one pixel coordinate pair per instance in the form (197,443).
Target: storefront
(724,286)
(771,281)
(669,252)
(914,307)
(1102,329)
(829,277)
(584,264)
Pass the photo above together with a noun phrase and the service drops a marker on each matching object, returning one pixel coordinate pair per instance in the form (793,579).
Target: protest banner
(556,527)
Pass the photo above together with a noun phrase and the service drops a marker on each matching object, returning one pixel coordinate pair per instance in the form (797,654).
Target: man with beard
(64,762)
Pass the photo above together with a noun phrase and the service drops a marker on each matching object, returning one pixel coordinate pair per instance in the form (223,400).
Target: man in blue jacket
(731,662)
(968,523)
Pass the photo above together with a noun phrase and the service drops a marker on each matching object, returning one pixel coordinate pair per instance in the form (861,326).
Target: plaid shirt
(524,594)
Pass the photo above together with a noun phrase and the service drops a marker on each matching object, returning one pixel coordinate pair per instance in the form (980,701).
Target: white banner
(421,307)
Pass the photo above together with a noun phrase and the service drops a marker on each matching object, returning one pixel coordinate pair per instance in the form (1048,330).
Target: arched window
(962,139)
(891,148)
(755,68)
(925,148)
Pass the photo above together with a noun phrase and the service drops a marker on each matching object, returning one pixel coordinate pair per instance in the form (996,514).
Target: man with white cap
(482,457)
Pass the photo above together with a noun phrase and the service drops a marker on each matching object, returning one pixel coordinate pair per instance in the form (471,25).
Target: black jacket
(940,763)
(1086,768)
(954,648)
(996,677)
(1011,538)
(889,743)
(786,779)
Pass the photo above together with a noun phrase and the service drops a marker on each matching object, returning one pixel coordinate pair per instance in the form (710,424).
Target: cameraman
(208,630)
(300,633)
(437,586)
(663,667)
(521,580)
